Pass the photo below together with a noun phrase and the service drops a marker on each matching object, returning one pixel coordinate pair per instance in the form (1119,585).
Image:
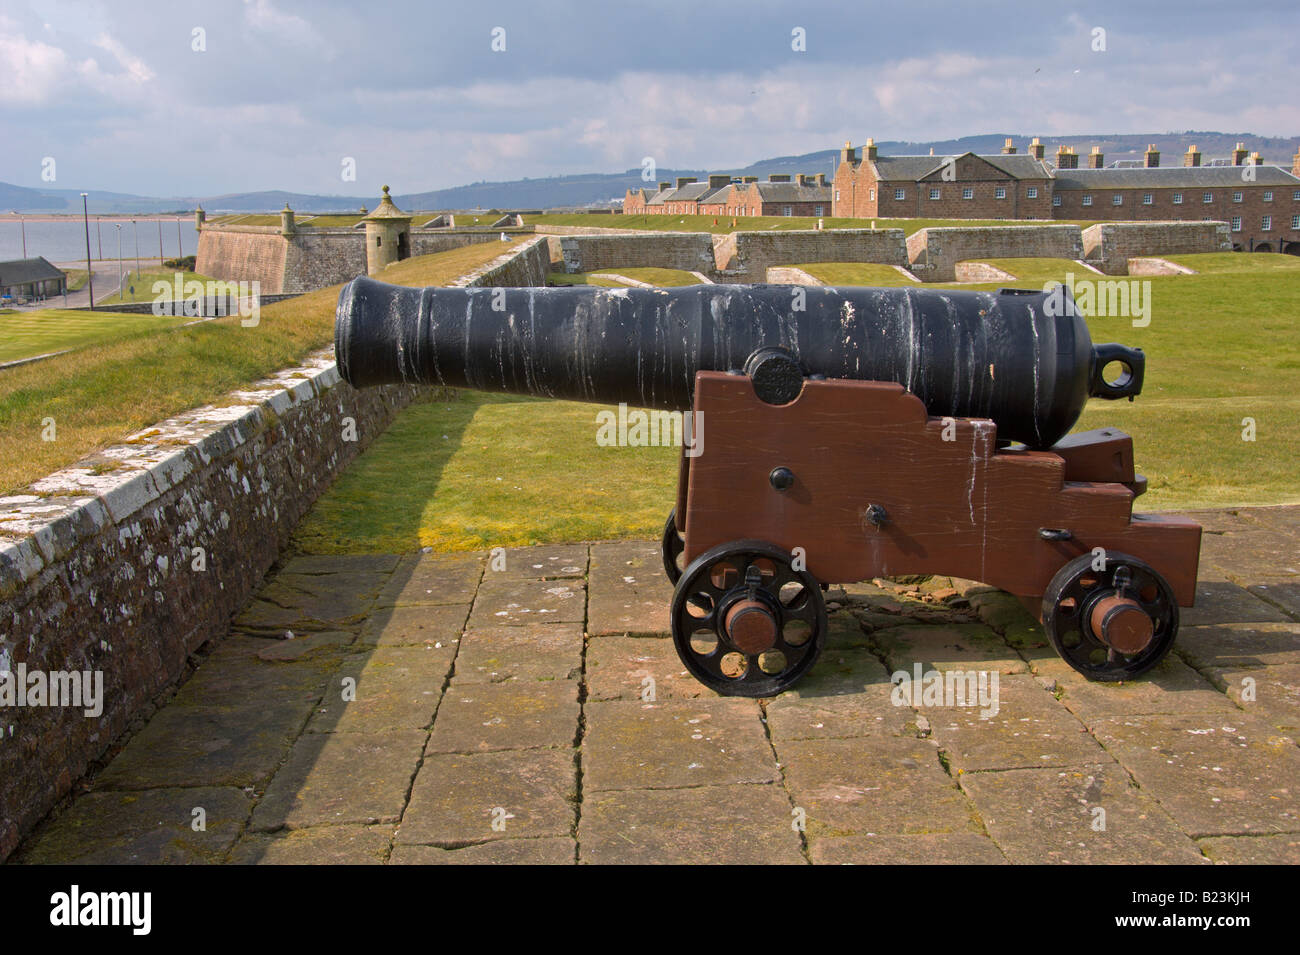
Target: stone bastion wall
(127,562)
(308,259)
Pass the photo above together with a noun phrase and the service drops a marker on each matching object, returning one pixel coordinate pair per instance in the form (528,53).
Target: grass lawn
(475,471)
(856,273)
(663,278)
(138,286)
(26,334)
(723,224)
(76,279)
(98,395)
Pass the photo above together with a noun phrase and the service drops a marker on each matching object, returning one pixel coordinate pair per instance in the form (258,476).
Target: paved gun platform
(432,709)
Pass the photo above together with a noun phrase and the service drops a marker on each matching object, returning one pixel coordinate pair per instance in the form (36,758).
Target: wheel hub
(751,626)
(1121,623)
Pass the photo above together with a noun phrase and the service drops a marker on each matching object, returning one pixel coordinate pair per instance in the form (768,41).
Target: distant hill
(599,188)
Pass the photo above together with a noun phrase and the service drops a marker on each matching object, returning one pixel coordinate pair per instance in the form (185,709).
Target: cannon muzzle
(1022,358)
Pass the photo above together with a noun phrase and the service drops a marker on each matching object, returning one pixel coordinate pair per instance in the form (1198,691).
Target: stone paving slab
(510,795)
(1281,593)
(948,848)
(1271,693)
(409,626)
(1239,644)
(1029,730)
(478,717)
(549,851)
(675,743)
(334,778)
(706,825)
(954,647)
(207,746)
(1253,850)
(552,562)
(1252,552)
(1085,816)
(518,602)
(1219,602)
(429,581)
(887,784)
(311,601)
(629,591)
(142,828)
(319,845)
(1215,776)
(1169,687)
(382,689)
(639,668)
(237,674)
(536,652)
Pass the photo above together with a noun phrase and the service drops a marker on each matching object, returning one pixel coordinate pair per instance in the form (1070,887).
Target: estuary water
(63,238)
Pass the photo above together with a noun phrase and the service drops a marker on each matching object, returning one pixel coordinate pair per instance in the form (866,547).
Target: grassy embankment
(100,393)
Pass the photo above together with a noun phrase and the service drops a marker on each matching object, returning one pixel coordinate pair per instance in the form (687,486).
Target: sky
(186,98)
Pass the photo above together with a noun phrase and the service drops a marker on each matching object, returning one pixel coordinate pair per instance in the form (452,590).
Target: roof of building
(386,209)
(791,192)
(1173,177)
(691,190)
(23,271)
(916,168)
(718,194)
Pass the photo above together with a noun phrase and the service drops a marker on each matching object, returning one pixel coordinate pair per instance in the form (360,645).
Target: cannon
(839,435)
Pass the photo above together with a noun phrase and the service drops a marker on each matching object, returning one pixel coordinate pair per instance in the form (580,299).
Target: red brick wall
(1251,209)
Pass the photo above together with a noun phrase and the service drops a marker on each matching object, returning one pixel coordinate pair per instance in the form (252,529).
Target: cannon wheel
(672,546)
(745,622)
(1075,591)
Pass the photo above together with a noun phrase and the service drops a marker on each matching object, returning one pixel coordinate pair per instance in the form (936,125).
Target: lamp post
(180,246)
(99,235)
(22,224)
(118,226)
(160,248)
(136,231)
(90,273)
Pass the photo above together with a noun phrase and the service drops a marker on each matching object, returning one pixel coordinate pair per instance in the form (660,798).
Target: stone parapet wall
(934,253)
(128,562)
(1109,245)
(756,252)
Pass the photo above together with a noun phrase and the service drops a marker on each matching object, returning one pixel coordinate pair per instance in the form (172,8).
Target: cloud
(262,16)
(134,66)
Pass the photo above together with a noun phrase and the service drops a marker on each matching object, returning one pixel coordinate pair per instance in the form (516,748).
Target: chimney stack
(1193,157)
(717,182)
(684,181)
(1036,149)
(749,179)
(1295,164)
(1095,158)
(665,186)
(869,150)
(1239,155)
(778,177)
(1151,158)
(1008,149)
(848,154)
(1066,158)
(1255,160)
(821,179)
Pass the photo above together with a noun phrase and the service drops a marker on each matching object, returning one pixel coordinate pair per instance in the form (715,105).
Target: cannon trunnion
(868,434)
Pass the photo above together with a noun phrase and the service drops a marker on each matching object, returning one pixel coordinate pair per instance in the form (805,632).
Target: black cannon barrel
(1021,358)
